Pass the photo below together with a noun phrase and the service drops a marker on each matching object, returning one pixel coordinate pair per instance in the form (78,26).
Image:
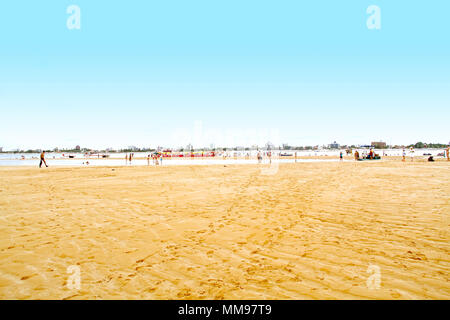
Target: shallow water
(118,159)
(168,162)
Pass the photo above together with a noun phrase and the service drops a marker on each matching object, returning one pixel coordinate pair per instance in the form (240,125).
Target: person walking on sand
(126,158)
(404,155)
(129,159)
(411,153)
(42,160)
(341,156)
(356,155)
(448,153)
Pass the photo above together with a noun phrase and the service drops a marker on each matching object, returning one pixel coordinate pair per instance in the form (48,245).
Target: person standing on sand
(43,160)
(129,159)
(126,158)
(411,153)
(448,153)
(356,155)
(341,156)
(404,155)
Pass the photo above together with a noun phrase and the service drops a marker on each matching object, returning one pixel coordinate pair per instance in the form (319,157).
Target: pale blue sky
(143,72)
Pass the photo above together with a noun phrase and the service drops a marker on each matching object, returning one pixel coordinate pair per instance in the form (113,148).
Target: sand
(351,230)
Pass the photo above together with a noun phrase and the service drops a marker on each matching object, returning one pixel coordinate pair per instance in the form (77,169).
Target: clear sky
(149,73)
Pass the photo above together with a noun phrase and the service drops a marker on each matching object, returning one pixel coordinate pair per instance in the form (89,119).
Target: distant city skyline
(228,73)
(282,146)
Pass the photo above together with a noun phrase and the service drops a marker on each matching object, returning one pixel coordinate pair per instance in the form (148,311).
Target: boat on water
(98,155)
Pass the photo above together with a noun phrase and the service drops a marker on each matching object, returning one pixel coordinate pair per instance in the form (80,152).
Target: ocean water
(139,162)
(118,159)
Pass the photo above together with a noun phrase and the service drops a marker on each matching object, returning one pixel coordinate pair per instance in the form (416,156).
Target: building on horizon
(379,145)
(334,145)
(270,146)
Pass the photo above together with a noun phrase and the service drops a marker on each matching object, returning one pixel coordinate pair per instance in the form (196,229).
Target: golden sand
(309,231)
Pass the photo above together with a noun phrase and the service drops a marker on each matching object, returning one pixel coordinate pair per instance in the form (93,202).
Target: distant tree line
(421,145)
(417,145)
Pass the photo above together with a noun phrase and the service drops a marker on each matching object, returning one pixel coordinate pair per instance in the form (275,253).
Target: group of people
(371,155)
(157,159)
(411,154)
(260,156)
(129,158)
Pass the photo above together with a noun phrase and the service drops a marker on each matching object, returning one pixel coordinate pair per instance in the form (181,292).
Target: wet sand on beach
(297,231)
